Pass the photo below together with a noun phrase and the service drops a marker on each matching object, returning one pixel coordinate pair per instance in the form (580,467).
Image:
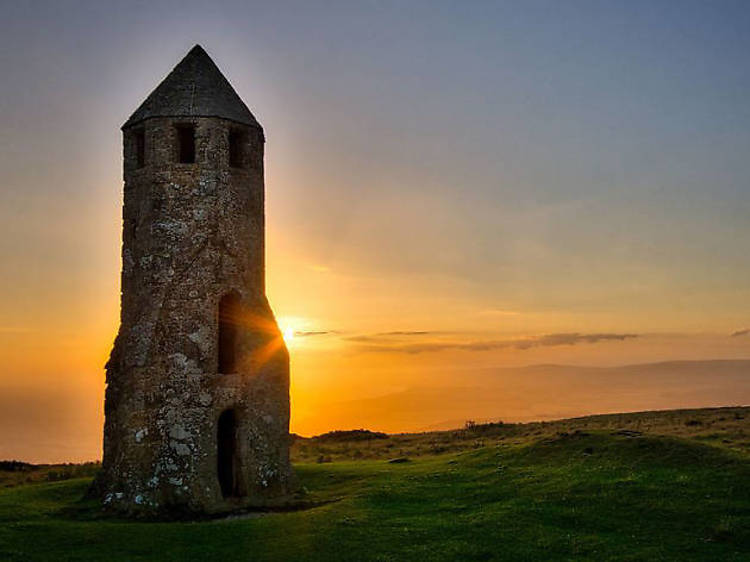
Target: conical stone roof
(194,88)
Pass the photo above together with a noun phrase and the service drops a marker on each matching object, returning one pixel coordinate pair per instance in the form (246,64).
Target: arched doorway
(227,456)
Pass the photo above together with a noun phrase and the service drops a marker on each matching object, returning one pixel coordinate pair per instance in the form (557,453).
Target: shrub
(352,435)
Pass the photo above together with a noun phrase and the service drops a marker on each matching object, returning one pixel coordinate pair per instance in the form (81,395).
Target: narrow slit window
(229,320)
(140,148)
(186,144)
(236,149)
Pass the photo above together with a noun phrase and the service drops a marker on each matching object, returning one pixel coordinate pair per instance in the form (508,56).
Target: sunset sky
(451,187)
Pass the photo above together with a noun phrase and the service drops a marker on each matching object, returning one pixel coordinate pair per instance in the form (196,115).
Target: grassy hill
(600,488)
(723,427)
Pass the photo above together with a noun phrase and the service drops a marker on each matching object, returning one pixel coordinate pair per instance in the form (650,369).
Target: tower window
(236,149)
(186,144)
(229,324)
(139,137)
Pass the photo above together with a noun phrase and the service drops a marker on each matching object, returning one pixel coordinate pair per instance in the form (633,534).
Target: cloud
(309,333)
(498,312)
(571,339)
(547,340)
(387,338)
(744,332)
(362,339)
(414,333)
(10,330)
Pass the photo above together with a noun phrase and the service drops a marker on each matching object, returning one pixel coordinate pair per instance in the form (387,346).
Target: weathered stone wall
(193,233)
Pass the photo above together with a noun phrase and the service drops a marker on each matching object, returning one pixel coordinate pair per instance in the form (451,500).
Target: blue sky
(484,171)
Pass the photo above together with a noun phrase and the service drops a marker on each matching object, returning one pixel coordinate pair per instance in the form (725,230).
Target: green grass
(580,496)
(728,428)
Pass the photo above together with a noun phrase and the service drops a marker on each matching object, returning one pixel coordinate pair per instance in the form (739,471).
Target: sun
(292,327)
(288,334)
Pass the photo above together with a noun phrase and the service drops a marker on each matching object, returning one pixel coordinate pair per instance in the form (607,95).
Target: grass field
(578,491)
(724,427)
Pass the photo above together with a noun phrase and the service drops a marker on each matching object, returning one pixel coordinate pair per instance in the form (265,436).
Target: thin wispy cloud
(389,337)
(499,312)
(310,333)
(11,330)
(407,333)
(744,332)
(522,344)
(571,339)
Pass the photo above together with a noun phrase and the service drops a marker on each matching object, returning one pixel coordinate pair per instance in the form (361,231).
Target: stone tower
(197,399)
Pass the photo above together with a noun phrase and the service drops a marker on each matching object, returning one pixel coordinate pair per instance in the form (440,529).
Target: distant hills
(546,392)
